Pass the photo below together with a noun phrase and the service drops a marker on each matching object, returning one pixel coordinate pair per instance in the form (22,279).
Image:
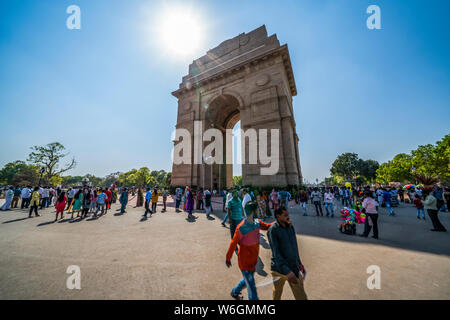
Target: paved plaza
(168,257)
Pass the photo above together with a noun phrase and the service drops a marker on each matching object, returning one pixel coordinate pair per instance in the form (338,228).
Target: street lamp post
(40,178)
(203,162)
(208,158)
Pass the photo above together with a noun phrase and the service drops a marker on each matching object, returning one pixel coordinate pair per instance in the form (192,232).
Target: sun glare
(180,31)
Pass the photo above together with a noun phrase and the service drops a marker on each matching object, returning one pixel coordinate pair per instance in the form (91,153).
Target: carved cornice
(196,81)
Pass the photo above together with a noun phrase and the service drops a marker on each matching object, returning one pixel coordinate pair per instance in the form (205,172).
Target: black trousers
(367,227)
(69,201)
(35,208)
(44,202)
(154,204)
(25,203)
(85,211)
(318,206)
(147,207)
(435,220)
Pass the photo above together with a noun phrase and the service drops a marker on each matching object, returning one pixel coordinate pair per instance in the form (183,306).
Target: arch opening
(224,113)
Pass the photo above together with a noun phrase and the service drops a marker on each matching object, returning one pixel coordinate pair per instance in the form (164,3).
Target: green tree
(71,181)
(237,181)
(424,160)
(396,170)
(141,177)
(160,177)
(442,158)
(19,173)
(346,166)
(368,170)
(112,178)
(95,181)
(55,180)
(126,179)
(433,160)
(49,157)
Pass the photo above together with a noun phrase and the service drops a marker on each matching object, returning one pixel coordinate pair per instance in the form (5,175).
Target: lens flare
(180,30)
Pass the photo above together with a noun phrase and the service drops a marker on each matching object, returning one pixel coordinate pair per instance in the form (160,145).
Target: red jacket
(247,236)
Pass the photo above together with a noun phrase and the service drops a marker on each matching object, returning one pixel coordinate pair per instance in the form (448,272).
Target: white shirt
(246,199)
(329,197)
(26,193)
(45,193)
(229,197)
(70,193)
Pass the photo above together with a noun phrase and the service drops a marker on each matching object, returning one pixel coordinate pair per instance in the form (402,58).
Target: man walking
(165,193)
(101,201)
(26,197)
(247,236)
(227,200)
(286,264)
(123,200)
(208,203)
(387,196)
(284,197)
(45,195)
(16,197)
(234,212)
(328,202)
(148,199)
(316,198)
(70,195)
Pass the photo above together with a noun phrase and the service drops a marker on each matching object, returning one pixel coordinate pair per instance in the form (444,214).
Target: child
(60,204)
(419,206)
(247,236)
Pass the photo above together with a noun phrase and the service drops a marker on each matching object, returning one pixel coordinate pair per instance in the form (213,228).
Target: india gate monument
(247,78)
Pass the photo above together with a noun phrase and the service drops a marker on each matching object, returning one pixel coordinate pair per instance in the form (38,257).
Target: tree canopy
(19,173)
(349,167)
(429,160)
(48,158)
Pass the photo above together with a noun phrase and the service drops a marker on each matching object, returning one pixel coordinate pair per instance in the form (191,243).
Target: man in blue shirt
(387,196)
(101,200)
(148,199)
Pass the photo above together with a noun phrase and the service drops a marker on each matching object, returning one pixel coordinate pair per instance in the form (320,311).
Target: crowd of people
(83,201)
(432,199)
(246,211)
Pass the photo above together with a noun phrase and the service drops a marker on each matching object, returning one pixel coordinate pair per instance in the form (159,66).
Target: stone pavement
(168,257)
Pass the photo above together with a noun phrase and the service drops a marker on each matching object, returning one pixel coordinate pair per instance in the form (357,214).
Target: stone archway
(247,78)
(222,112)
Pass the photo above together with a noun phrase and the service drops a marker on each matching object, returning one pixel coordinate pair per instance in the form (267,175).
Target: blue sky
(104,91)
